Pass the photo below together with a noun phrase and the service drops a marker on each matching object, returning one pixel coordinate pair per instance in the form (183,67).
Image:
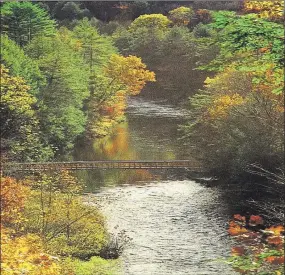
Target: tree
(20,138)
(61,101)
(121,77)
(152,22)
(272,10)
(56,212)
(181,16)
(25,254)
(244,122)
(96,49)
(67,10)
(244,36)
(203,16)
(166,50)
(20,253)
(22,21)
(19,64)
(13,198)
(130,72)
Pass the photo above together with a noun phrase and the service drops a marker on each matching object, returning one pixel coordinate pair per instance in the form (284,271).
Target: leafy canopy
(19,124)
(61,100)
(248,41)
(19,64)
(181,16)
(22,21)
(150,22)
(130,72)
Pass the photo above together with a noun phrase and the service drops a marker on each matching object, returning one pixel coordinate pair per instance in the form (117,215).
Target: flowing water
(176,225)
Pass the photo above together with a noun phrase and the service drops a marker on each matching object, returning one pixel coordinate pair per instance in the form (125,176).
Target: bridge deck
(102,164)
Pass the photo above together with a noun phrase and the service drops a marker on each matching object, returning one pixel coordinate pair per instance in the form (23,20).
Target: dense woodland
(67,69)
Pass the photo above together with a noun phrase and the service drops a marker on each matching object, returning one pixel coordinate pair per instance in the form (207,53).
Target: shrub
(115,246)
(68,227)
(257,251)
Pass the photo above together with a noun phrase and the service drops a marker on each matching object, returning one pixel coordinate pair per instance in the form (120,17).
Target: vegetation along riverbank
(67,71)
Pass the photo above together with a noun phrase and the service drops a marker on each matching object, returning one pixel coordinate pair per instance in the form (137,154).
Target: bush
(258,251)
(68,227)
(115,246)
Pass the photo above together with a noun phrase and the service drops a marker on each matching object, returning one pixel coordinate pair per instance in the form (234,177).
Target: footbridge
(101,164)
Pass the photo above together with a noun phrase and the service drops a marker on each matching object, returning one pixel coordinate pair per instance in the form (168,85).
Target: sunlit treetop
(150,21)
(181,16)
(272,10)
(129,71)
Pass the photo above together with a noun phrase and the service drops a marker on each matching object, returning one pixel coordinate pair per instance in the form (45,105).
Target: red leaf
(255,220)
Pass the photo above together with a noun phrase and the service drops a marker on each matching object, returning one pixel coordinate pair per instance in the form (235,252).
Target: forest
(67,71)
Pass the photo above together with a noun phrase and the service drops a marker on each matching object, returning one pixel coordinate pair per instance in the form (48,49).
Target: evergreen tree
(22,21)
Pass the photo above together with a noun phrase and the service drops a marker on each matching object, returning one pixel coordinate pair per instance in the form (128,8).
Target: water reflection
(149,133)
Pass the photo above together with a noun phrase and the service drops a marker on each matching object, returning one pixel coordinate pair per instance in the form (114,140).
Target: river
(176,225)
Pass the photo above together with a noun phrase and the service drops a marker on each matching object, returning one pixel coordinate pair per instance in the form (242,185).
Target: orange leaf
(255,220)
(44,257)
(238,251)
(275,240)
(276,229)
(235,229)
(238,217)
(275,259)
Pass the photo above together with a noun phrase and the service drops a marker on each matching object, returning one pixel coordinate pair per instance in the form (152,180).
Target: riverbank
(47,223)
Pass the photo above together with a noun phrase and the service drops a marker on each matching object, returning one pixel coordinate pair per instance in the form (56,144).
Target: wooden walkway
(102,164)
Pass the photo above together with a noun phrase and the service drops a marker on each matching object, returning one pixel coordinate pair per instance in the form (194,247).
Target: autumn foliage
(13,197)
(129,71)
(20,254)
(203,16)
(122,77)
(272,10)
(25,255)
(43,220)
(257,250)
(181,16)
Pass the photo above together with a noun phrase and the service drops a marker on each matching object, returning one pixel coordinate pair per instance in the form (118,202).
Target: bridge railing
(106,164)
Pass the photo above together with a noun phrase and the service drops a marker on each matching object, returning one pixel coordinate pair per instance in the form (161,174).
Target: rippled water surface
(154,109)
(177,226)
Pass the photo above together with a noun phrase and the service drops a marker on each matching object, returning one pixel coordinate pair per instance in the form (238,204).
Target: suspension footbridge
(101,164)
